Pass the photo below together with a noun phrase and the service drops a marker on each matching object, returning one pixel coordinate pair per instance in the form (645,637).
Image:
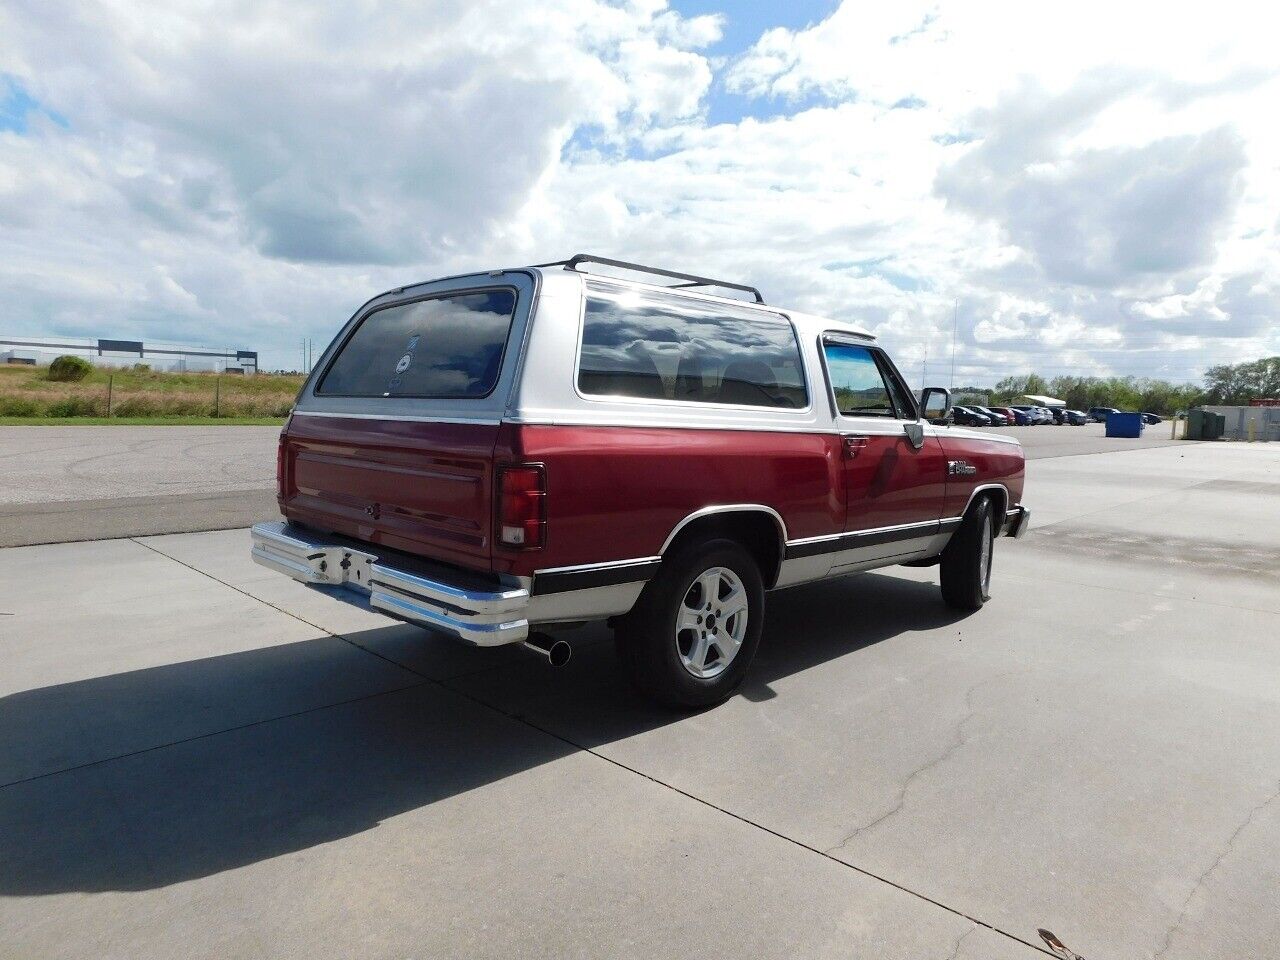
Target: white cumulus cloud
(1096,185)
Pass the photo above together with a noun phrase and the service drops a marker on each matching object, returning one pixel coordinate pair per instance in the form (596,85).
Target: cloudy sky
(1096,184)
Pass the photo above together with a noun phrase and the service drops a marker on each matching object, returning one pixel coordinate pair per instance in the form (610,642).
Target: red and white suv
(497,454)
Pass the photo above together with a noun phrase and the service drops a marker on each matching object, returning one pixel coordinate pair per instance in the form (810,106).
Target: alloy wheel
(711,622)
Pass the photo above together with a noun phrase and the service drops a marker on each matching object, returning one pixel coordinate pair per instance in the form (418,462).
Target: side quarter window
(657,346)
(856,381)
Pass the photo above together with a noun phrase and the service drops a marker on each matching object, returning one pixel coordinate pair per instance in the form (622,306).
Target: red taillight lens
(522,517)
(280,455)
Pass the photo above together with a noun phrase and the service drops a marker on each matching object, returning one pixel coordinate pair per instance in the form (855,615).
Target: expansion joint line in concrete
(444,685)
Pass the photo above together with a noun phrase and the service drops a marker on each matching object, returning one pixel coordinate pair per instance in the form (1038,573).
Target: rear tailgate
(392,440)
(416,486)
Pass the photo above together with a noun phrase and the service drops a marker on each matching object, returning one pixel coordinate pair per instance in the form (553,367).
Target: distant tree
(1123,393)
(1239,383)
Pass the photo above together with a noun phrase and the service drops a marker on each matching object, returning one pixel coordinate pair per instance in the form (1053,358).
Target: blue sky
(743,24)
(17,108)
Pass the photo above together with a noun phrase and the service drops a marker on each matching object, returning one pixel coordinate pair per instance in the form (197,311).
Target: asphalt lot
(202,759)
(60,484)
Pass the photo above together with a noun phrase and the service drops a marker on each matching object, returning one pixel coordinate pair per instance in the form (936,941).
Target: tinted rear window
(449,347)
(662,347)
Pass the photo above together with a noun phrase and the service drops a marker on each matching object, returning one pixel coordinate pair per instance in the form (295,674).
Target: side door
(894,486)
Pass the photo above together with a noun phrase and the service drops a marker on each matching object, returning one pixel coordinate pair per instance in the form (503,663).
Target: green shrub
(18,407)
(76,407)
(68,369)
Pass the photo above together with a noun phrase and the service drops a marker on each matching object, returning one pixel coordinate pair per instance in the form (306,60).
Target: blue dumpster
(1124,425)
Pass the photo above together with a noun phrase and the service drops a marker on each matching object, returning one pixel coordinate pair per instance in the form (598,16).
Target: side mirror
(935,402)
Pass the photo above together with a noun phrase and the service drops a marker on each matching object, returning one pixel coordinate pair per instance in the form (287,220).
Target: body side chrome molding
(836,536)
(609,419)
(856,539)
(576,419)
(586,575)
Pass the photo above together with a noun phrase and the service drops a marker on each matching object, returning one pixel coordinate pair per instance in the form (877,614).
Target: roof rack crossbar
(691,280)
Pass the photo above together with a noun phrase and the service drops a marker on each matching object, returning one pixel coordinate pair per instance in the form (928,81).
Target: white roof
(808,323)
(1045,401)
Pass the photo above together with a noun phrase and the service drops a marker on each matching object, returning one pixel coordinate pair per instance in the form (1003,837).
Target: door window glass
(859,387)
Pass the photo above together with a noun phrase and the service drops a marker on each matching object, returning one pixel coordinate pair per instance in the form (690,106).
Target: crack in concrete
(1203,879)
(448,685)
(958,740)
(955,949)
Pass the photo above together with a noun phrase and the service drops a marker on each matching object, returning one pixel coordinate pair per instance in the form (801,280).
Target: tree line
(1227,384)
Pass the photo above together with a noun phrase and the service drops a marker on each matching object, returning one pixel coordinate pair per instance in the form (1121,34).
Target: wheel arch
(759,528)
(997,493)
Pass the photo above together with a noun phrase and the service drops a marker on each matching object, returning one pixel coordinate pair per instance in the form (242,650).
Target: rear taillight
(522,513)
(280,455)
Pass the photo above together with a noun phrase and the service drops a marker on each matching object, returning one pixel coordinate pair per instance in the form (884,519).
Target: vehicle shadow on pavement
(141,817)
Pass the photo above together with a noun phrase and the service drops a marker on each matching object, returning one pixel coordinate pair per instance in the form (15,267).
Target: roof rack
(691,280)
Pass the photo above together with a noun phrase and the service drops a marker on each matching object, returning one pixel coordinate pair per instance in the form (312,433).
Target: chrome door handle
(853,446)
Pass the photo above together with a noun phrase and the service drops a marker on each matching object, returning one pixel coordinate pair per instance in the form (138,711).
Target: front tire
(966,562)
(694,631)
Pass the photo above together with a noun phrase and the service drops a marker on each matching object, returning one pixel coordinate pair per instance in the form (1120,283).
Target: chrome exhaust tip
(556,652)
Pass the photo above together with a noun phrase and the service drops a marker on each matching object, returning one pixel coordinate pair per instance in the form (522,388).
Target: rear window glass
(661,347)
(448,347)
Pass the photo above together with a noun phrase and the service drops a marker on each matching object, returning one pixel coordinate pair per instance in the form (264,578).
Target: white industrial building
(126,353)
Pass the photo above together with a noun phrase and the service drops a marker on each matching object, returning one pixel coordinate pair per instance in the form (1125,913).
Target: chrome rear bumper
(481,617)
(1016,522)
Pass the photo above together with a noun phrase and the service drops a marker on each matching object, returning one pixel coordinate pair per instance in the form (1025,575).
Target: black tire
(966,577)
(647,641)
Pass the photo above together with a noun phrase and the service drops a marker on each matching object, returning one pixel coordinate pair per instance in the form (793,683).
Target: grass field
(144,396)
(140,421)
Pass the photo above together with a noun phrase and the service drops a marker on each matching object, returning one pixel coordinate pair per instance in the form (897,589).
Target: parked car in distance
(998,417)
(1034,414)
(1059,414)
(1100,414)
(1018,417)
(499,454)
(1077,418)
(970,417)
(1150,418)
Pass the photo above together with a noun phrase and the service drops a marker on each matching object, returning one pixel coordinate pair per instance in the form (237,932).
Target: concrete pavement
(204,759)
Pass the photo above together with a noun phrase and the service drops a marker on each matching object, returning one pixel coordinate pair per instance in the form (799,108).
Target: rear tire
(966,562)
(692,635)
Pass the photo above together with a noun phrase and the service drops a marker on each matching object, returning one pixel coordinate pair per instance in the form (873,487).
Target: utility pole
(955,322)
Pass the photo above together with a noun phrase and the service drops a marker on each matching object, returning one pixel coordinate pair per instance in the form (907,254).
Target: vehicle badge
(403,365)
